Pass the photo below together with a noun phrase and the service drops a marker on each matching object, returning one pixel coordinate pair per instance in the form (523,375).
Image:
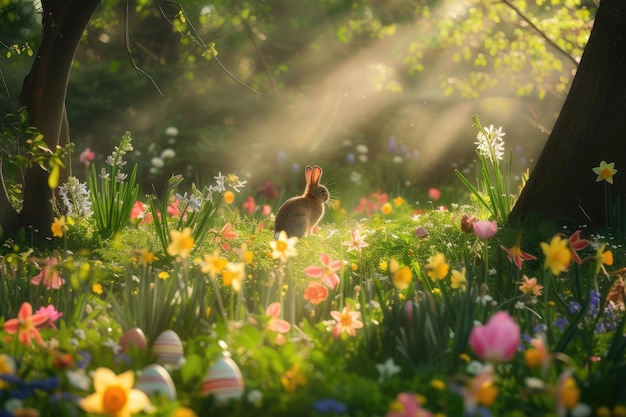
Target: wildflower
(58,227)
(315,293)
(356,241)
(330,405)
(557,255)
(213,264)
(25,325)
(386,208)
(51,313)
(233,181)
(184,412)
(438,384)
(113,345)
(347,321)
(605,172)
(229,197)
(490,143)
(538,354)
(485,229)
(276,324)
(458,280)
(603,258)
(327,273)
(171,131)
(140,212)
(576,244)
(372,203)
(516,255)
(244,254)
(387,369)
(284,247)
(530,286)
(50,275)
(181,243)
(437,268)
(87,156)
(481,390)
(434,194)
(76,198)
(249,205)
(7,367)
(567,393)
(398,201)
(163,275)
(227,232)
(96,288)
(255,397)
(114,394)
(496,341)
(234,275)
(292,378)
(407,405)
(402,276)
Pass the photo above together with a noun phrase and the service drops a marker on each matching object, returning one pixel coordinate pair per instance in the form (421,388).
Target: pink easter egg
(224,381)
(155,380)
(133,337)
(168,349)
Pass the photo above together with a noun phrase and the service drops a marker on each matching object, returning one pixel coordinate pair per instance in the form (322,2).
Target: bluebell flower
(540,328)
(600,328)
(85,359)
(561,323)
(594,302)
(330,405)
(392,145)
(574,307)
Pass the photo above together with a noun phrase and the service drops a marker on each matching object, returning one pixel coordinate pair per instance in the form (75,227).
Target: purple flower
(574,307)
(330,405)
(392,145)
(561,323)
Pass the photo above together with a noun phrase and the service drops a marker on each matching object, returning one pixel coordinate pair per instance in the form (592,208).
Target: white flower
(171,131)
(78,379)
(387,370)
(474,368)
(168,153)
(581,410)
(113,345)
(80,334)
(491,145)
(362,148)
(157,162)
(255,397)
(535,383)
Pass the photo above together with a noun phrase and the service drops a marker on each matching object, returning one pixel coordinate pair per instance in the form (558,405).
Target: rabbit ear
(316,175)
(308,174)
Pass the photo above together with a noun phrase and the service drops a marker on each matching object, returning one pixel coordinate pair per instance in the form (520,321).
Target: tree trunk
(43,95)
(590,128)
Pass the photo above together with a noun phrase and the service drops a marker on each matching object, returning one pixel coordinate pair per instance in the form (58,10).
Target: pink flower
(516,255)
(407,405)
(269,190)
(227,232)
(276,324)
(327,273)
(485,229)
(249,205)
(52,314)
(315,293)
(25,325)
(87,156)
(434,194)
(356,241)
(496,341)
(347,321)
(372,204)
(577,244)
(49,276)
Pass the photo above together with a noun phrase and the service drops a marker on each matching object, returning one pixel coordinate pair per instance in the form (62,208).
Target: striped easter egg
(168,349)
(155,380)
(224,381)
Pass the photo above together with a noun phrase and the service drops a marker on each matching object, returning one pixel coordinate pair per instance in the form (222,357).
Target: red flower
(315,293)
(249,205)
(577,244)
(25,325)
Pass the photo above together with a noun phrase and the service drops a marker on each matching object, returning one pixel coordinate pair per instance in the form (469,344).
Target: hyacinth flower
(25,325)
(516,255)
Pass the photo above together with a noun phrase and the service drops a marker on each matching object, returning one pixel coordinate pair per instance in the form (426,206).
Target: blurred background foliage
(380,93)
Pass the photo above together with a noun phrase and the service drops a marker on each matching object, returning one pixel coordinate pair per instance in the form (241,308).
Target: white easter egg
(133,337)
(155,379)
(224,381)
(168,348)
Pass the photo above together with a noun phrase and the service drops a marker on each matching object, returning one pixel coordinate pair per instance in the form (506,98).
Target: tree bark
(590,128)
(43,95)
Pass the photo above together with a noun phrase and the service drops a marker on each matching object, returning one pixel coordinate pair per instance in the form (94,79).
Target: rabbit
(298,215)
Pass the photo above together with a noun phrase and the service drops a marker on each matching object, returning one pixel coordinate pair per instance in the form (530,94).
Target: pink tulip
(496,341)
(485,229)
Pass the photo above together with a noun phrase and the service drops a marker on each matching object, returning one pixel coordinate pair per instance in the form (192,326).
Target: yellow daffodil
(605,172)
(114,394)
(213,264)
(292,378)
(458,279)
(603,258)
(181,243)
(402,276)
(234,274)
(437,268)
(557,253)
(284,248)
(58,227)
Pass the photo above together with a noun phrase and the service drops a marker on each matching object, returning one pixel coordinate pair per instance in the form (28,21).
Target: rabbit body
(298,215)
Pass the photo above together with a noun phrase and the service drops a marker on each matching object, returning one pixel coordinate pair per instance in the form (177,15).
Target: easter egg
(224,381)
(154,380)
(133,337)
(168,349)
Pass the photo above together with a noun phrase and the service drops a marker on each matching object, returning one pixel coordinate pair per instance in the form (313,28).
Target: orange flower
(529,285)
(25,325)
(315,293)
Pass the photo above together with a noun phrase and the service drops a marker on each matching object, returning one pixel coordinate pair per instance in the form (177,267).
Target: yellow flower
(7,366)
(284,248)
(97,288)
(558,255)
(292,378)
(114,394)
(229,197)
(568,393)
(465,357)
(386,208)
(164,275)
(58,227)
(234,274)
(530,286)
(184,412)
(458,279)
(437,268)
(603,257)
(213,264)
(605,172)
(487,394)
(402,276)
(436,291)
(398,201)
(383,265)
(181,243)
(438,384)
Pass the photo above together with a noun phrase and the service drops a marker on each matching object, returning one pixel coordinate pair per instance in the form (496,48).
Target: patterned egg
(133,337)
(154,379)
(169,349)
(224,381)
